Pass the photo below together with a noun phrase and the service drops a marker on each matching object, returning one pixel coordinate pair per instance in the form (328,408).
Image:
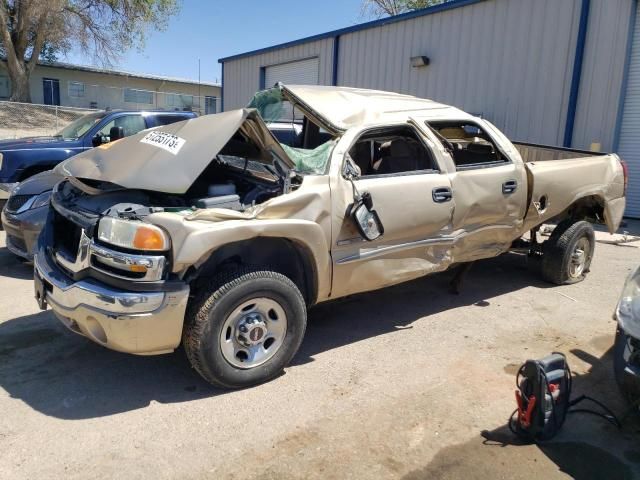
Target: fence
(28,119)
(81,95)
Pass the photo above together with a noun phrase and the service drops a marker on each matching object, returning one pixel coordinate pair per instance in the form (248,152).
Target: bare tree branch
(385,8)
(6,36)
(100,29)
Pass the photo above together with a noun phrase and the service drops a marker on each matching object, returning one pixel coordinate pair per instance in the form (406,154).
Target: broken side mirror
(366,218)
(350,170)
(97,140)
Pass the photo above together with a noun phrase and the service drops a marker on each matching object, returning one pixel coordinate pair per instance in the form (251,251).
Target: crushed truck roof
(345,107)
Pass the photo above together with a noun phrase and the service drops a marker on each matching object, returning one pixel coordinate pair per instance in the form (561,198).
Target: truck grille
(16,202)
(66,235)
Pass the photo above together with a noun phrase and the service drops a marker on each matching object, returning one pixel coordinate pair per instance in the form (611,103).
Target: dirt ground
(408,382)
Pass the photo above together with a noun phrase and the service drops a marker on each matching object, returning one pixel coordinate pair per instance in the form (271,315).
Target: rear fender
(556,185)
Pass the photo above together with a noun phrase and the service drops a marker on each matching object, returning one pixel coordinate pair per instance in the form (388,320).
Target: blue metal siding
(335,60)
(577,73)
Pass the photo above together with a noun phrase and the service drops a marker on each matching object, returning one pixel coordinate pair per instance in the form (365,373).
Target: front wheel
(245,328)
(568,252)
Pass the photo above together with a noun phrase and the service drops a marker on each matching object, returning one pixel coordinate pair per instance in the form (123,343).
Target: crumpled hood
(171,157)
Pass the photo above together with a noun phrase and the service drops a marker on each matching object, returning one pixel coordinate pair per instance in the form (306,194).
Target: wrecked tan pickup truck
(212,233)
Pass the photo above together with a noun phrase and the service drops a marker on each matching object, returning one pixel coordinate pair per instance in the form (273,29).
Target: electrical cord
(609,416)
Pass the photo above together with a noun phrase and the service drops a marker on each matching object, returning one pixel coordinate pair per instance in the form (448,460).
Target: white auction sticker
(167,141)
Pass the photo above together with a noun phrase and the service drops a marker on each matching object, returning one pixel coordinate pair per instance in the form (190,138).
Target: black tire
(558,250)
(208,311)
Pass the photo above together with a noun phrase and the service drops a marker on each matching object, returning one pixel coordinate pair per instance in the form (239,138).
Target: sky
(209,30)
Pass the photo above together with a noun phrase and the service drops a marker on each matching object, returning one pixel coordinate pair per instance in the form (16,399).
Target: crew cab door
(489,188)
(413,198)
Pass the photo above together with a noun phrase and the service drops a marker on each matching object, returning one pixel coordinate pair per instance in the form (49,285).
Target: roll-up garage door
(629,146)
(301,72)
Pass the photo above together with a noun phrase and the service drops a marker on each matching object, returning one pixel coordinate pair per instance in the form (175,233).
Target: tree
(32,30)
(383,8)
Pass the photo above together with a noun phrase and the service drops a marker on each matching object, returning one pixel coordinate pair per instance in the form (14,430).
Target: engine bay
(230,182)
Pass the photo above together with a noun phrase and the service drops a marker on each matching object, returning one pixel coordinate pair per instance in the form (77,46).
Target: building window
(179,101)
(210,105)
(76,89)
(131,95)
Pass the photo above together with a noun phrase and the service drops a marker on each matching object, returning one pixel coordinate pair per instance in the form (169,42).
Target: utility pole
(199,96)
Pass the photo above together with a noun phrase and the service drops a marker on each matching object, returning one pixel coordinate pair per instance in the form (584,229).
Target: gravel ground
(407,382)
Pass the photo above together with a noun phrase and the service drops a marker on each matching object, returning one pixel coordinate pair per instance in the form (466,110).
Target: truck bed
(531,152)
(558,177)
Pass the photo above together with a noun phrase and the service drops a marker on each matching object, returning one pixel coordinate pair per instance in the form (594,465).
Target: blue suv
(20,159)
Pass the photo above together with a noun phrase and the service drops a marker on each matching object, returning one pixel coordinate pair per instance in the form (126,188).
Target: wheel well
(31,171)
(281,255)
(586,208)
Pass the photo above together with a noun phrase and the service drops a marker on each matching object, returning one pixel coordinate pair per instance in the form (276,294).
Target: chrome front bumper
(144,323)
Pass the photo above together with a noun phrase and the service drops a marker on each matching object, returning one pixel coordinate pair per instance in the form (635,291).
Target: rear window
(469,145)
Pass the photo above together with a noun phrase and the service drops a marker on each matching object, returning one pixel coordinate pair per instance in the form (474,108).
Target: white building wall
(602,73)
(242,77)
(509,60)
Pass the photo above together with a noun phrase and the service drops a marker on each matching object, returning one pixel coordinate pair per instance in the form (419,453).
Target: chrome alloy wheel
(579,257)
(253,332)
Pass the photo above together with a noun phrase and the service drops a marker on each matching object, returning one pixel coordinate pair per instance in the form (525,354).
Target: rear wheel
(245,328)
(568,252)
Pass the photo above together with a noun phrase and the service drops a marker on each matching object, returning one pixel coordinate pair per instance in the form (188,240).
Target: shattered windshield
(286,121)
(312,161)
(272,106)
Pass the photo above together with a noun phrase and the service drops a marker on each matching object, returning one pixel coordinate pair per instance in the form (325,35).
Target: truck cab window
(393,150)
(131,124)
(471,146)
(279,113)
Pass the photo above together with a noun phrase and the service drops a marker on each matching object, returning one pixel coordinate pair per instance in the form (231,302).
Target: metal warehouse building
(560,72)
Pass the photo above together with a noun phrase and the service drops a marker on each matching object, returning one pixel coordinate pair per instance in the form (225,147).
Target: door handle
(441,194)
(509,187)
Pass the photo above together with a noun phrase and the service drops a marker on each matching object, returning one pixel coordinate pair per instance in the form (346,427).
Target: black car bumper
(23,230)
(627,364)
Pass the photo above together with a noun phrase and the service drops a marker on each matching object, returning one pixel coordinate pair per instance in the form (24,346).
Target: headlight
(628,311)
(41,200)
(35,202)
(132,234)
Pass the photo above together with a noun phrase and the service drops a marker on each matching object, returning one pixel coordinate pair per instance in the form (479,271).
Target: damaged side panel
(302,216)
(600,177)
(417,230)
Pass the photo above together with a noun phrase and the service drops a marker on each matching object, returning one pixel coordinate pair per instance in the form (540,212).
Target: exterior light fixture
(419,61)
